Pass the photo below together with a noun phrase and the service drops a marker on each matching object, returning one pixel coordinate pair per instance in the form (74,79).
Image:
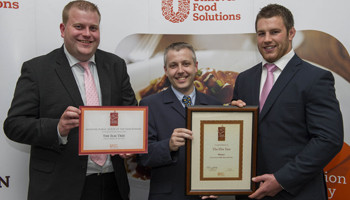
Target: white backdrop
(30,28)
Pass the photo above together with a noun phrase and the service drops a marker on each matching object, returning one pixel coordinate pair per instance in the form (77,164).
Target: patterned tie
(186,100)
(92,100)
(268,83)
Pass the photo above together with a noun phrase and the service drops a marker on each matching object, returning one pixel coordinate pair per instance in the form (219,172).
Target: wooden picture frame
(221,158)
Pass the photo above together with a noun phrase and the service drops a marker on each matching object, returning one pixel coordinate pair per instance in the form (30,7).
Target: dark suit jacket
(168,168)
(44,90)
(300,127)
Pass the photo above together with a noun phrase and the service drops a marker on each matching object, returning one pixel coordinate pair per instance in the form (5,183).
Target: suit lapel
(285,77)
(103,70)
(171,99)
(256,85)
(66,76)
(200,99)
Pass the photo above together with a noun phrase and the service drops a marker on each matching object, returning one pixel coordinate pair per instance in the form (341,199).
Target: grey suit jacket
(168,168)
(300,127)
(44,90)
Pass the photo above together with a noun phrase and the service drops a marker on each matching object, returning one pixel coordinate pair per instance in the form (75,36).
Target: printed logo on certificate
(221,133)
(114,118)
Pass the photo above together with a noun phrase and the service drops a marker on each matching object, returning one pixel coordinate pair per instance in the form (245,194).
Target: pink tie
(92,100)
(268,83)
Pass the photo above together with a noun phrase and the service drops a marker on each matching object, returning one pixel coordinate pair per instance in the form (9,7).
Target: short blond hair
(81,5)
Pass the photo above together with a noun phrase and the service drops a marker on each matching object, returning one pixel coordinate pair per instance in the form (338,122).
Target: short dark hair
(81,5)
(177,46)
(273,10)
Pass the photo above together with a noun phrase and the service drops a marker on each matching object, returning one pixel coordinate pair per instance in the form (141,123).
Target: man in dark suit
(44,112)
(300,123)
(167,121)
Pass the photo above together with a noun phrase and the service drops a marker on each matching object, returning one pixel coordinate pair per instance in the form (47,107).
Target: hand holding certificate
(113,130)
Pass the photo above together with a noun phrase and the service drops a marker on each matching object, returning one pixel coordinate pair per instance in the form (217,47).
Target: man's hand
(268,186)
(178,138)
(68,120)
(209,197)
(124,155)
(238,103)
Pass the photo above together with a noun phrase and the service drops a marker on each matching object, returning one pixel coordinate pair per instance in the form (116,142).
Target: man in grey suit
(300,123)
(167,131)
(44,112)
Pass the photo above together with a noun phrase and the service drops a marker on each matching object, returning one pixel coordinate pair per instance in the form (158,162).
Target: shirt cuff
(61,140)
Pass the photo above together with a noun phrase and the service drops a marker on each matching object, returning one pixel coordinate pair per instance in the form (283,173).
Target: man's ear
(291,33)
(62,28)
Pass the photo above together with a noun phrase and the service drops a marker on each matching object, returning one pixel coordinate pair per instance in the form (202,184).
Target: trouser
(101,187)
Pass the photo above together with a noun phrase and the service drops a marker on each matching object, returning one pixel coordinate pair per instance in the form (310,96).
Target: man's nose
(86,32)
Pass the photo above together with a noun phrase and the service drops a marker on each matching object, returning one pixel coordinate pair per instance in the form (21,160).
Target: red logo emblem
(180,15)
(114,119)
(221,133)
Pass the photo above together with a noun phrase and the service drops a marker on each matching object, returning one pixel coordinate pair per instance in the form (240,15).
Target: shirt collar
(283,61)
(179,95)
(72,60)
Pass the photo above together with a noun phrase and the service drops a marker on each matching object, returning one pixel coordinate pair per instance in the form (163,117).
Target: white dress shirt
(78,72)
(281,64)
(179,96)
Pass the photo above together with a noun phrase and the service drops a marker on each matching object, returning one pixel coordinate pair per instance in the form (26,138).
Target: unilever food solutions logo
(203,10)
(180,15)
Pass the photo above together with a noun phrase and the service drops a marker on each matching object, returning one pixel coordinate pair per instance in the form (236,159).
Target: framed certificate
(113,129)
(221,158)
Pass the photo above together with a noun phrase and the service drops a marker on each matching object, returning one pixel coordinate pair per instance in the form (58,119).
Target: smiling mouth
(269,49)
(85,41)
(181,79)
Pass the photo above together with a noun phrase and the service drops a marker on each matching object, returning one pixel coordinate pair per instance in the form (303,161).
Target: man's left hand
(268,186)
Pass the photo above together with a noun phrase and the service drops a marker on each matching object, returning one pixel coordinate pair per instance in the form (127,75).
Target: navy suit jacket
(300,127)
(44,90)
(166,113)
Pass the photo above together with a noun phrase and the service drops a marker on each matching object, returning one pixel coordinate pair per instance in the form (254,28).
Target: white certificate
(221,149)
(221,157)
(113,129)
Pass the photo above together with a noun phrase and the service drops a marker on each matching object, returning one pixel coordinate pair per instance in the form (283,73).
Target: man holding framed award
(167,124)
(45,112)
(300,122)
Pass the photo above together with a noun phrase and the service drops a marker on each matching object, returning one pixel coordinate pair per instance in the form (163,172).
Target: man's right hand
(238,103)
(178,138)
(68,120)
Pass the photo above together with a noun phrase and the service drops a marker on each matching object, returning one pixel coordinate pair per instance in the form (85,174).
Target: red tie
(268,83)
(92,100)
